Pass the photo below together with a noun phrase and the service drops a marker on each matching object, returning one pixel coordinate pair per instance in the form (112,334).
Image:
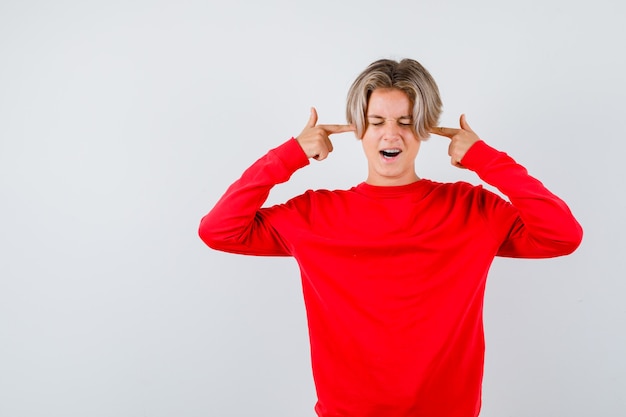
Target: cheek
(370,151)
(367,147)
(417,146)
(366,133)
(368,142)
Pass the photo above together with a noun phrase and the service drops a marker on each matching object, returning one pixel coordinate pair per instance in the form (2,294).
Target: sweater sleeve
(539,224)
(234,224)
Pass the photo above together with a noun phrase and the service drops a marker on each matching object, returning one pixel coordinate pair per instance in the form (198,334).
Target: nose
(391,130)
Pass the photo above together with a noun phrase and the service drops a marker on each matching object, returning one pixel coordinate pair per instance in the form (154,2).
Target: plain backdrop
(122,123)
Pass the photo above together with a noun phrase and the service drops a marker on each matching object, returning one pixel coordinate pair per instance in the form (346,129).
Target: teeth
(390,152)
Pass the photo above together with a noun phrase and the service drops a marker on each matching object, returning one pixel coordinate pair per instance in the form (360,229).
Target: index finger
(445,131)
(330,129)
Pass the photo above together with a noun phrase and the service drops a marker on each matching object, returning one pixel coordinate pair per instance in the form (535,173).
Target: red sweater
(394,277)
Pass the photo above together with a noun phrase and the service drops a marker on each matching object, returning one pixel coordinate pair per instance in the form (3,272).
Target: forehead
(389,102)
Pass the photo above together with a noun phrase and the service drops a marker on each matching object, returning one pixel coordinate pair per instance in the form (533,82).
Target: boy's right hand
(314,139)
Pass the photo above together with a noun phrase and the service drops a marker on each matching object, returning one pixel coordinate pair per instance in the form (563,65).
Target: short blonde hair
(406,75)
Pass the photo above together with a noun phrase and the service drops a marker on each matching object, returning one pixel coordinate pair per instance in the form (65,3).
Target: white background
(122,122)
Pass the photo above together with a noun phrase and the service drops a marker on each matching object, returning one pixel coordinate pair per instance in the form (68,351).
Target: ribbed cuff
(479,156)
(291,155)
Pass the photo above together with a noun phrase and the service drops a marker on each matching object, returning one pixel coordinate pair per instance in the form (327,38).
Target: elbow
(208,233)
(205,235)
(558,242)
(573,240)
(570,241)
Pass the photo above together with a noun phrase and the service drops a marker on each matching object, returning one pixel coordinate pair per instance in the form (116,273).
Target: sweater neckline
(392,191)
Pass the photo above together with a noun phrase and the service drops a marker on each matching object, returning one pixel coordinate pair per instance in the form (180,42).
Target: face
(390,142)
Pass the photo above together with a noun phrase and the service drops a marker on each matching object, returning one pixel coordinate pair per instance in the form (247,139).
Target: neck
(379,181)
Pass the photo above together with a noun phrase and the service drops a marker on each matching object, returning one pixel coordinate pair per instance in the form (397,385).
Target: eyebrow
(375,116)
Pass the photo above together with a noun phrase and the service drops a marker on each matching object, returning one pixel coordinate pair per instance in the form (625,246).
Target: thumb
(464,124)
(313,118)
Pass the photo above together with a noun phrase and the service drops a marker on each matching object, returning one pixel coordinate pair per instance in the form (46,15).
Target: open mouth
(390,153)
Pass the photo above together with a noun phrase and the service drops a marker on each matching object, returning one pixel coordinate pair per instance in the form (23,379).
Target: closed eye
(405,121)
(376,121)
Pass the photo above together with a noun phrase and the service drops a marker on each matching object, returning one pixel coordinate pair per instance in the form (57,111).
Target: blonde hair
(406,75)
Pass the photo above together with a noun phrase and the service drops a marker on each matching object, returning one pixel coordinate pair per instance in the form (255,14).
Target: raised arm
(235,224)
(539,224)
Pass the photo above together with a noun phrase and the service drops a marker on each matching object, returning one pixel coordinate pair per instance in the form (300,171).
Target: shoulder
(464,191)
(453,188)
(328,195)
(319,195)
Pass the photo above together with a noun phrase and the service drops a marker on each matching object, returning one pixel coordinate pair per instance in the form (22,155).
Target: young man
(394,269)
